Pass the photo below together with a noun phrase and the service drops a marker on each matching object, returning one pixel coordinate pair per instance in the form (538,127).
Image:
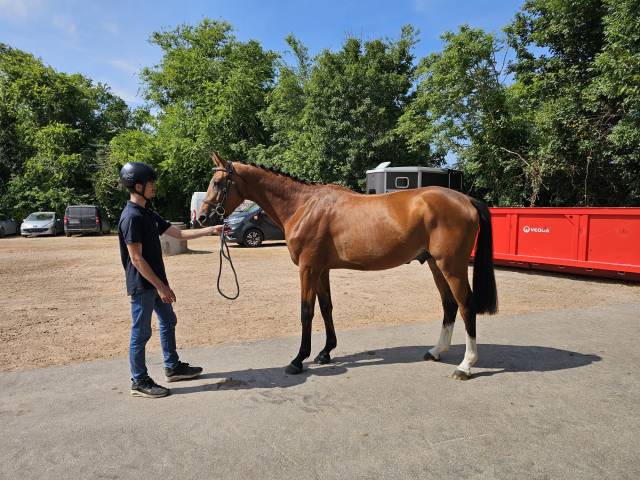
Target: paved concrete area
(554,395)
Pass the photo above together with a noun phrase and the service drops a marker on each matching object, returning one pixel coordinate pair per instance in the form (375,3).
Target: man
(139,231)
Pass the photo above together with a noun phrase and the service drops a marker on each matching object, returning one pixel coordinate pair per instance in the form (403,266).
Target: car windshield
(252,207)
(81,211)
(40,216)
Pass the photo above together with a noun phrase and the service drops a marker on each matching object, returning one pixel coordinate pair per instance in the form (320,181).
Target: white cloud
(65,24)
(423,5)
(131,98)
(125,66)
(20,10)
(111,28)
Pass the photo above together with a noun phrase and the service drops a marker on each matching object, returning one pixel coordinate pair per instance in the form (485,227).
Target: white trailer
(384,178)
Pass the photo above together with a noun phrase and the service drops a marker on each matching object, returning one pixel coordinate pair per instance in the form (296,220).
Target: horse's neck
(277,195)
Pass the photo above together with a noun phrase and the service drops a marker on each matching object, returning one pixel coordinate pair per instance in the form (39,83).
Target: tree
(575,69)
(52,125)
(209,89)
(128,146)
(339,119)
(462,107)
(615,97)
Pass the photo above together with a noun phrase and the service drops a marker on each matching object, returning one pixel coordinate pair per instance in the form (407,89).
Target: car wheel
(1,232)
(253,238)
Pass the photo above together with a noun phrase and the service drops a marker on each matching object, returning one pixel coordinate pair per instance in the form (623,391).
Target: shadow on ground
(499,358)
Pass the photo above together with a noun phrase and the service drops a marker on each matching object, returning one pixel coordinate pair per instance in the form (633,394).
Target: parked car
(251,226)
(85,219)
(8,226)
(41,223)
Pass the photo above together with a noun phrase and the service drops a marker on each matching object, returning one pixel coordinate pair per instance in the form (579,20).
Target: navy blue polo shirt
(141,225)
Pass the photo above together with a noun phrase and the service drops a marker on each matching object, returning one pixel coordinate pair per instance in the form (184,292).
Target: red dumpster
(590,241)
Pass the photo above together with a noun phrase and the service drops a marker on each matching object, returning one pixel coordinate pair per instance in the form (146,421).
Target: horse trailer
(384,178)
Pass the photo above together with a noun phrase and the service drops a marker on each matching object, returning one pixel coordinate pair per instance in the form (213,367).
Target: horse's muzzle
(210,220)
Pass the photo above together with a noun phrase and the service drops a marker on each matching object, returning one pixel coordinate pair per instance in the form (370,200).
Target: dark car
(85,219)
(8,226)
(251,226)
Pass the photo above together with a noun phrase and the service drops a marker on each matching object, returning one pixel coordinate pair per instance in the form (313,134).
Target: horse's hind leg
(456,276)
(326,307)
(450,308)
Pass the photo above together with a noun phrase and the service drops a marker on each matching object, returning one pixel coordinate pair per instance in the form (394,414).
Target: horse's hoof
(292,369)
(460,375)
(430,358)
(323,358)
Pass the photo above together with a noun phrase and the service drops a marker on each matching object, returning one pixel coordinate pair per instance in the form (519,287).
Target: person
(139,231)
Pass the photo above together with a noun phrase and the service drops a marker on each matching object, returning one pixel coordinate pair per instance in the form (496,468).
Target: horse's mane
(282,173)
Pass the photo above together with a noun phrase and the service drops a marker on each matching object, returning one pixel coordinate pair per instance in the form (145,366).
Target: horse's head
(222,196)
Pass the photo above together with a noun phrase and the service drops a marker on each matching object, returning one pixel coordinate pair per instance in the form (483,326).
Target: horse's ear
(218,161)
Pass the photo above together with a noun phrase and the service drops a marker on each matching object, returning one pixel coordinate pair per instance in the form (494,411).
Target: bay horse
(329,226)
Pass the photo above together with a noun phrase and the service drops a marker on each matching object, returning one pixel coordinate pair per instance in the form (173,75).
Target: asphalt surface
(554,395)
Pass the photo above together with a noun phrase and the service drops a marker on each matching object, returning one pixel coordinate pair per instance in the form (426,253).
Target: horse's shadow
(499,358)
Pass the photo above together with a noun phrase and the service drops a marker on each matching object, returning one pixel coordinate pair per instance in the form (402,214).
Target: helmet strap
(144,187)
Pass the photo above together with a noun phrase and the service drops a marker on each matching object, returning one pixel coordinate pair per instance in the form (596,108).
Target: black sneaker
(182,372)
(148,388)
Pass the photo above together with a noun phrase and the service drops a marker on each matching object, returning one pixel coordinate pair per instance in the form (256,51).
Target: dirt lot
(63,299)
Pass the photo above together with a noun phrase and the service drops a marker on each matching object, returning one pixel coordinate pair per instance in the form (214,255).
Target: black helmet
(137,172)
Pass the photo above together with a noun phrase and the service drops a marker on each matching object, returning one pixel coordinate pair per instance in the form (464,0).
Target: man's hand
(166,294)
(216,230)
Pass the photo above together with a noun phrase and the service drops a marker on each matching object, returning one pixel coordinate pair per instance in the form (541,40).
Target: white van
(196,201)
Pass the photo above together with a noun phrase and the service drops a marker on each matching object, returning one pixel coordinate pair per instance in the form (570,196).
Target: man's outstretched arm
(175,232)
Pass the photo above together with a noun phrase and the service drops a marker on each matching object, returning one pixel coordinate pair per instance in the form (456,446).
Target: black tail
(485,292)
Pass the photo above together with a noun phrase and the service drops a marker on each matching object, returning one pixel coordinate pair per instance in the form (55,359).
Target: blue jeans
(142,306)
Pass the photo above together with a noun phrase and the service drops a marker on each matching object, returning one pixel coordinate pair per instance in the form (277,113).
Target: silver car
(42,223)
(8,226)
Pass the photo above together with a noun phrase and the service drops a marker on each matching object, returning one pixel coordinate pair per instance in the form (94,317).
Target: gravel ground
(63,299)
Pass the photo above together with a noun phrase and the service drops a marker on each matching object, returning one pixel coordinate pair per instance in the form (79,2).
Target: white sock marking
(470,355)
(443,342)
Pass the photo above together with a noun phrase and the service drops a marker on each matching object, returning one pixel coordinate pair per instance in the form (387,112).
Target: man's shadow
(500,358)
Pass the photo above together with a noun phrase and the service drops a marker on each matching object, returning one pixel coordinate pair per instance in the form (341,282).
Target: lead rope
(224,253)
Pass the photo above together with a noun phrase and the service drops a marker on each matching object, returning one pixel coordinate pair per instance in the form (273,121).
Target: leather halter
(218,207)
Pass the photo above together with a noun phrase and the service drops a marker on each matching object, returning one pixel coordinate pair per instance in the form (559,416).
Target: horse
(330,227)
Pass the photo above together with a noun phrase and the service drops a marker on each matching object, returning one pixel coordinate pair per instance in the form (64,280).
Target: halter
(218,210)
(218,207)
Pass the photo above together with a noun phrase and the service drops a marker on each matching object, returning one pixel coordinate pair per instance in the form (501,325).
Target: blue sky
(108,40)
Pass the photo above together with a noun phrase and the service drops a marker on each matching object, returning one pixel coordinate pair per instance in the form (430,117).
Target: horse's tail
(484,281)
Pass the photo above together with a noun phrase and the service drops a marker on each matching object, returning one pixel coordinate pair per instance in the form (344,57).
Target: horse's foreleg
(450,308)
(459,283)
(308,286)
(326,307)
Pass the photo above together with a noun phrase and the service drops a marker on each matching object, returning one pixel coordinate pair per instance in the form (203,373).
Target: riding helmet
(137,172)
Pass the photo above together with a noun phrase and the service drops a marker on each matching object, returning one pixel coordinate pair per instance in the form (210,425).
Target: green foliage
(128,146)
(52,125)
(461,107)
(331,121)
(581,95)
(564,130)
(209,89)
